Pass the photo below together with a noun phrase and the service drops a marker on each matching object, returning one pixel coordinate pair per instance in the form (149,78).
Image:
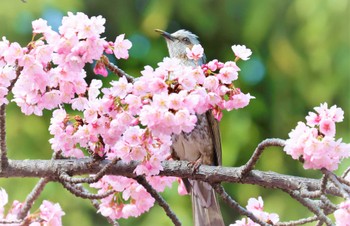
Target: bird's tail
(205,207)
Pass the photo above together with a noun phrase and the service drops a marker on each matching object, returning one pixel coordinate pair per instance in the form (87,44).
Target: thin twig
(346,172)
(298,222)
(235,205)
(311,206)
(319,223)
(96,204)
(32,196)
(141,180)
(336,182)
(116,70)
(10,222)
(3,147)
(75,190)
(258,151)
(65,177)
(329,207)
(344,181)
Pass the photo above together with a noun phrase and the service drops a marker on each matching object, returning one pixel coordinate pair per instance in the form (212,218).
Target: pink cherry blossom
(342,215)
(256,207)
(211,83)
(100,69)
(244,222)
(132,136)
(160,183)
(121,87)
(227,75)
(3,201)
(238,101)
(40,26)
(51,213)
(241,51)
(13,53)
(170,64)
(121,47)
(255,204)
(327,127)
(195,53)
(214,65)
(80,103)
(182,188)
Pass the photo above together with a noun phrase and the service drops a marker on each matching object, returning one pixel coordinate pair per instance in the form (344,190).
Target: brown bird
(202,145)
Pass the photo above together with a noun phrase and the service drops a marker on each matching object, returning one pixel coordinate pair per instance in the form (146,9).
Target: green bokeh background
(301,58)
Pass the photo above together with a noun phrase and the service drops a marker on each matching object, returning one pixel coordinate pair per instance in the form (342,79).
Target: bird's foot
(195,165)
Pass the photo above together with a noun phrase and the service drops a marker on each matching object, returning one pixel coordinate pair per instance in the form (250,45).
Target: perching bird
(202,145)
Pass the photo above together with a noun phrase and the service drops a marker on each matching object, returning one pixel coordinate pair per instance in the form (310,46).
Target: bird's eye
(185,39)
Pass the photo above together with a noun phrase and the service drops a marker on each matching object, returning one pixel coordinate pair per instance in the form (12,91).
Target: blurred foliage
(301,58)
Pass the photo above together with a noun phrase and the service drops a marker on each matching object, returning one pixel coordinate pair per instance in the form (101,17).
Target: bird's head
(178,42)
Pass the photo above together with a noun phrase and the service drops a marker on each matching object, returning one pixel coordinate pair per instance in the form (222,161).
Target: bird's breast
(196,144)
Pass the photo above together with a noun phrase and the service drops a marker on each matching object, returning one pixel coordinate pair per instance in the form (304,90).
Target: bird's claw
(195,165)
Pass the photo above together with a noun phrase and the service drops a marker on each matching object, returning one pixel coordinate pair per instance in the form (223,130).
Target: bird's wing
(215,132)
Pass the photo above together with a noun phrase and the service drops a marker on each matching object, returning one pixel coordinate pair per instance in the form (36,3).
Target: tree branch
(96,204)
(76,190)
(116,70)
(311,206)
(298,222)
(32,196)
(211,174)
(258,151)
(336,182)
(235,205)
(3,147)
(89,180)
(161,202)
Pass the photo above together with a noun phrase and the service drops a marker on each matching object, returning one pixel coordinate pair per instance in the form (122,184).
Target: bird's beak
(165,34)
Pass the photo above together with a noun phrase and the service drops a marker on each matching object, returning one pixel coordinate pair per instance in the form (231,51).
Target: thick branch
(211,174)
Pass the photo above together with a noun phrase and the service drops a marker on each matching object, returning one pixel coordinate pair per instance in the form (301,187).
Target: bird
(200,146)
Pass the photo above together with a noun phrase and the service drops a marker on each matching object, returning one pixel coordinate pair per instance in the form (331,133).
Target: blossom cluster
(131,199)
(48,213)
(256,207)
(314,141)
(49,71)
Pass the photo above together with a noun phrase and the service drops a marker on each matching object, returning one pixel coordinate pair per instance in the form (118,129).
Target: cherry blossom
(100,69)
(121,47)
(195,53)
(51,213)
(241,51)
(3,201)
